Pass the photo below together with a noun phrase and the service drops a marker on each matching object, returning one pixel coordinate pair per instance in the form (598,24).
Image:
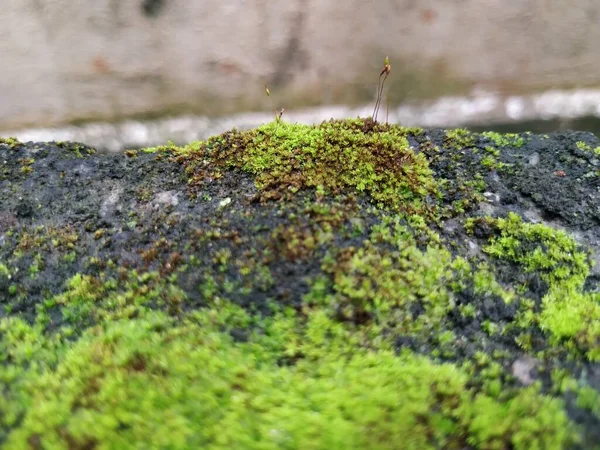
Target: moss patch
(568,313)
(10,142)
(357,154)
(149,380)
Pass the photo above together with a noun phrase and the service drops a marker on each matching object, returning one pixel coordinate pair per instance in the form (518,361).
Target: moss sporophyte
(328,286)
(383,75)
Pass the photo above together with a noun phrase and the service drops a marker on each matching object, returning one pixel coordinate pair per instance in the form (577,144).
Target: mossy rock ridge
(350,284)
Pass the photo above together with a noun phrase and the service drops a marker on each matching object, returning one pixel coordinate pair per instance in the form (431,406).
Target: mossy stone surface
(345,285)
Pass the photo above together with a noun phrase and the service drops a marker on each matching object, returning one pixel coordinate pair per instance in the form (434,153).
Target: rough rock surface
(347,285)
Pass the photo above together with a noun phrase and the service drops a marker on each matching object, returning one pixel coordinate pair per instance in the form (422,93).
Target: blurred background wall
(63,61)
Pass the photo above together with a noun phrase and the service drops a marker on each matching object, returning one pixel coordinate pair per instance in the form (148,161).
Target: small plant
(278,113)
(387,68)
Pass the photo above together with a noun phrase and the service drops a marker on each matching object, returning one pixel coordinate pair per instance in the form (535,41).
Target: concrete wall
(62,60)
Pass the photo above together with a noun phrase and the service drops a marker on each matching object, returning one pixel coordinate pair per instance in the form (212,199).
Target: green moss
(587,148)
(539,248)
(490,161)
(460,138)
(505,140)
(10,141)
(36,266)
(47,239)
(573,318)
(4,271)
(378,287)
(242,359)
(79,150)
(562,381)
(588,398)
(26,165)
(91,300)
(495,420)
(583,146)
(568,314)
(404,281)
(12,289)
(156,382)
(291,380)
(372,158)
